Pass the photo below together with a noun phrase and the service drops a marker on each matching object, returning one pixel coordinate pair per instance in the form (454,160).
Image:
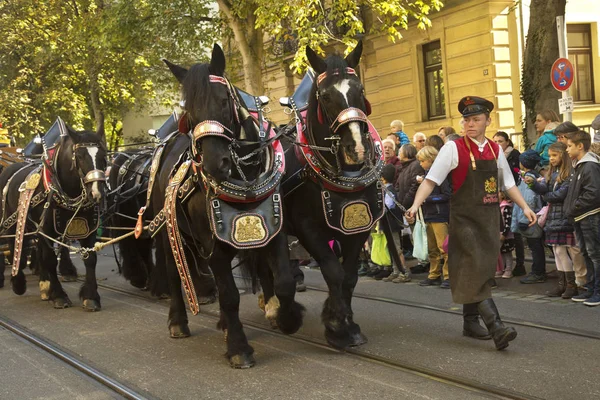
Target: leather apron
(474,232)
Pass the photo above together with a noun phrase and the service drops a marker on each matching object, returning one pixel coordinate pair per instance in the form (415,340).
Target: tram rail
(438,376)
(114,386)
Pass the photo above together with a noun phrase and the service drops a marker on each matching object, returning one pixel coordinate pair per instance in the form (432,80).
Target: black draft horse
(75,180)
(344,147)
(210,102)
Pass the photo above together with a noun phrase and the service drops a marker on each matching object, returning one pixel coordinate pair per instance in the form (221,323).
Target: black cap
(472,105)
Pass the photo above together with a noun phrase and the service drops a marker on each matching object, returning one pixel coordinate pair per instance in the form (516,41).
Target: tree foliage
(318,23)
(90,61)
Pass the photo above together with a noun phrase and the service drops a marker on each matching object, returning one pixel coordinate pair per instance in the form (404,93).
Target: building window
(434,80)
(580,55)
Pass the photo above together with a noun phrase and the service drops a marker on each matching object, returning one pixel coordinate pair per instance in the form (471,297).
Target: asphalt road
(128,340)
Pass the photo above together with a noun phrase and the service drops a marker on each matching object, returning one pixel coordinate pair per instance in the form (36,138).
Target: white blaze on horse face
(93,151)
(344,87)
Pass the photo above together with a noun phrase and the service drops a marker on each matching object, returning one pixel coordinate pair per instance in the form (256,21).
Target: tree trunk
(97,108)
(541,51)
(249,41)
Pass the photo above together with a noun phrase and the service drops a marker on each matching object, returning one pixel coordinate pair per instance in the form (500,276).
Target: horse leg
(239,352)
(134,269)
(159,279)
(289,313)
(202,277)
(351,247)
(18,282)
(44,283)
(48,266)
(178,321)
(3,261)
(335,311)
(89,290)
(66,267)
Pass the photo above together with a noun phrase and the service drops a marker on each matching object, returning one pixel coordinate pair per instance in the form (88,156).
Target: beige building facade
(473,48)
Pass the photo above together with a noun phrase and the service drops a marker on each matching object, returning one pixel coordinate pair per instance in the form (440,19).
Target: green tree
(317,23)
(541,50)
(91,61)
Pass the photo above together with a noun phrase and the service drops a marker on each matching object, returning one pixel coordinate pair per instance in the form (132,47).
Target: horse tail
(249,265)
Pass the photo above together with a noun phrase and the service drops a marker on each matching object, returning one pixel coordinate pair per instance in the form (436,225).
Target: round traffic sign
(562,74)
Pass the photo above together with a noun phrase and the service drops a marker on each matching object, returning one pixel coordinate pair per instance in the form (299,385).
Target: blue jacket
(403,138)
(554,193)
(541,147)
(533,200)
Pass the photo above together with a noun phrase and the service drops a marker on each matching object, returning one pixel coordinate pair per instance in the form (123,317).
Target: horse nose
(224,168)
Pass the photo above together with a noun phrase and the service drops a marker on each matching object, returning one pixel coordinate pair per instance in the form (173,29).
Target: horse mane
(196,89)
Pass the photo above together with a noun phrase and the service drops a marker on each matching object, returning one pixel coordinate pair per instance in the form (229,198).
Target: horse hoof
(163,296)
(203,300)
(336,341)
(91,305)
(261,301)
(357,339)
(242,361)
(273,323)
(62,303)
(68,278)
(179,331)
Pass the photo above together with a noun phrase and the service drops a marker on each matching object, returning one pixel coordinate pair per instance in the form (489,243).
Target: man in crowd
(473,163)
(419,140)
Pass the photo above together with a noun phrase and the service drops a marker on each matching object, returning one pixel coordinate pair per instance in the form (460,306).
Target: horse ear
(217,61)
(178,71)
(73,135)
(316,62)
(354,56)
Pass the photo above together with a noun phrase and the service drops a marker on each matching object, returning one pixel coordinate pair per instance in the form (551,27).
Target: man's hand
(410,214)
(531,216)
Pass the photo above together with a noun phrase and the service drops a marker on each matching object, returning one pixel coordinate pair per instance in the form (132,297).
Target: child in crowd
(558,229)
(505,263)
(582,205)
(529,160)
(396,219)
(436,213)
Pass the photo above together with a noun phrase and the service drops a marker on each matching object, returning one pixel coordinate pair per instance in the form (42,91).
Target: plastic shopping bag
(420,250)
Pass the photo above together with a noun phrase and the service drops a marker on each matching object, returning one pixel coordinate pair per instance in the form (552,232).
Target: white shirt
(447,160)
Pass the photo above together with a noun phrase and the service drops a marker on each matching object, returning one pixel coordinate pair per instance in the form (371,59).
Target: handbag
(379,251)
(542,215)
(420,249)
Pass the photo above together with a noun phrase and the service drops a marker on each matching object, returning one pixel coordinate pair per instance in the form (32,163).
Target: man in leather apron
(478,169)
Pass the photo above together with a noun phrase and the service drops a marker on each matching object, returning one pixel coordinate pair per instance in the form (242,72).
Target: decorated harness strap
(175,237)
(27,189)
(139,226)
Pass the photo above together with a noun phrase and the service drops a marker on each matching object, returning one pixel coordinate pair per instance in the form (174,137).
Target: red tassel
(367,107)
(183,125)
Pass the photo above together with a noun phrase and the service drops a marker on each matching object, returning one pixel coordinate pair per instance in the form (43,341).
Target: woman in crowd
(541,120)
(444,131)
(435,141)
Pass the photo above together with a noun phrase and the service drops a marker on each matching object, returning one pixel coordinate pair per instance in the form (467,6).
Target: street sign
(562,74)
(565,105)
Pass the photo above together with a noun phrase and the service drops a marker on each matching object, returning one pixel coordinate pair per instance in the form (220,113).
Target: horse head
(218,118)
(82,153)
(338,109)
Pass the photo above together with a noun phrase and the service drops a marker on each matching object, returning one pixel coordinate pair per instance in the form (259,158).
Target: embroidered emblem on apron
(356,215)
(33,181)
(249,228)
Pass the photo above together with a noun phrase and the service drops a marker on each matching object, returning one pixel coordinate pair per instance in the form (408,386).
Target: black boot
(500,333)
(471,326)
(519,270)
(562,285)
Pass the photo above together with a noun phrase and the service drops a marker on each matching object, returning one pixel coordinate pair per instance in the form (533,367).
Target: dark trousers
(519,249)
(587,232)
(296,271)
(539,256)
